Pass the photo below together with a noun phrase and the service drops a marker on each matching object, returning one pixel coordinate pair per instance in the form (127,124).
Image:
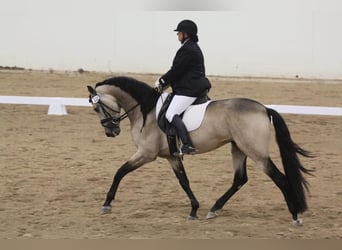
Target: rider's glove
(160,85)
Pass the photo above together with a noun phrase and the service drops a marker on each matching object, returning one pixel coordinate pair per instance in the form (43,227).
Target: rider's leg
(177,106)
(187,147)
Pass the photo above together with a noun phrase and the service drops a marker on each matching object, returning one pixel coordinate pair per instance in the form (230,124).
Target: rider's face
(181,36)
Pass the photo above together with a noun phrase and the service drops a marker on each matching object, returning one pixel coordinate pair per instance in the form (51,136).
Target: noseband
(110,121)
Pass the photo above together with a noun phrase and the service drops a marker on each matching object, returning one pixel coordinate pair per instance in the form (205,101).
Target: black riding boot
(182,132)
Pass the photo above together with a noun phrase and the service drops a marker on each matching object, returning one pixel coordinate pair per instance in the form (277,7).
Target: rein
(125,115)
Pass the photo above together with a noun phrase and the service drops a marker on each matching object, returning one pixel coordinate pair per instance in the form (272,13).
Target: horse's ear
(91,90)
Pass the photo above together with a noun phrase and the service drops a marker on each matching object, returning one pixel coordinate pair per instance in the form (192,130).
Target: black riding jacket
(187,74)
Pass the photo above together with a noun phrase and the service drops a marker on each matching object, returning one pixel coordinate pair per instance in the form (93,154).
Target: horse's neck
(129,105)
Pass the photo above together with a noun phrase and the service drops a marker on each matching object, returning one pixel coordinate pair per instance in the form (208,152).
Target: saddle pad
(192,117)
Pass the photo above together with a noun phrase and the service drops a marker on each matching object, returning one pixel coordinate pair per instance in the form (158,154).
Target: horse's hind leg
(281,181)
(179,170)
(240,178)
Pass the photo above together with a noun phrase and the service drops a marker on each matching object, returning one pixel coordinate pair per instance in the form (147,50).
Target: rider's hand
(159,85)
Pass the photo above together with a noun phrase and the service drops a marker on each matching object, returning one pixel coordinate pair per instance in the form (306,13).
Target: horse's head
(108,110)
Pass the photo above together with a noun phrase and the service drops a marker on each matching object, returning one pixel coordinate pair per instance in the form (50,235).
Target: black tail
(292,166)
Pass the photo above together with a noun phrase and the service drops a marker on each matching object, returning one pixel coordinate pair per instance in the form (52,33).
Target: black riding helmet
(189,27)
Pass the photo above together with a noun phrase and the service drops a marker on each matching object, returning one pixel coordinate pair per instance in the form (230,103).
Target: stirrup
(178,154)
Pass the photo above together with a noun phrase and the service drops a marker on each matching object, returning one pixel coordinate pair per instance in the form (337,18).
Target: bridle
(110,121)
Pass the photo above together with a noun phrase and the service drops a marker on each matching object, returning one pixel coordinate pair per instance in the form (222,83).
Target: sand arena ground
(56,170)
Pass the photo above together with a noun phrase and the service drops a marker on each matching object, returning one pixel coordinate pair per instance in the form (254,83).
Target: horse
(244,123)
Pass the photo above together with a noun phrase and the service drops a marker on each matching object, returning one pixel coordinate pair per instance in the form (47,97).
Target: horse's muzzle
(112,132)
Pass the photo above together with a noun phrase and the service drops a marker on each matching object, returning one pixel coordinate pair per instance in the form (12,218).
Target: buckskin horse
(244,123)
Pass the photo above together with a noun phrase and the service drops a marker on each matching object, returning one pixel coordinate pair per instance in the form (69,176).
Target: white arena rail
(306,110)
(57,105)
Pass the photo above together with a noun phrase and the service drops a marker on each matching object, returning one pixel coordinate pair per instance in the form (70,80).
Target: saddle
(192,117)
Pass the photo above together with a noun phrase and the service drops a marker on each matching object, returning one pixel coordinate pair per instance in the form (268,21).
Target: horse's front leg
(179,170)
(136,161)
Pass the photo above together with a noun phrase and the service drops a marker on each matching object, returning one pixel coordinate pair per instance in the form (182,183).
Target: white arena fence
(57,105)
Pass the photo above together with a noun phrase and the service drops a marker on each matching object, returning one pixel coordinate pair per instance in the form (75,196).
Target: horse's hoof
(192,217)
(297,222)
(211,215)
(106,209)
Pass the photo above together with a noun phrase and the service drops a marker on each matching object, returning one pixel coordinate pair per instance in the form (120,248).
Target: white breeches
(178,105)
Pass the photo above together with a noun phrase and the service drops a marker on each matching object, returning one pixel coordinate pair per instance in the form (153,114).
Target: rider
(187,80)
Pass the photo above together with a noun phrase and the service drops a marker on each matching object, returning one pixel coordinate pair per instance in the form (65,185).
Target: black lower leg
(122,171)
(280,180)
(184,182)
(240,178)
